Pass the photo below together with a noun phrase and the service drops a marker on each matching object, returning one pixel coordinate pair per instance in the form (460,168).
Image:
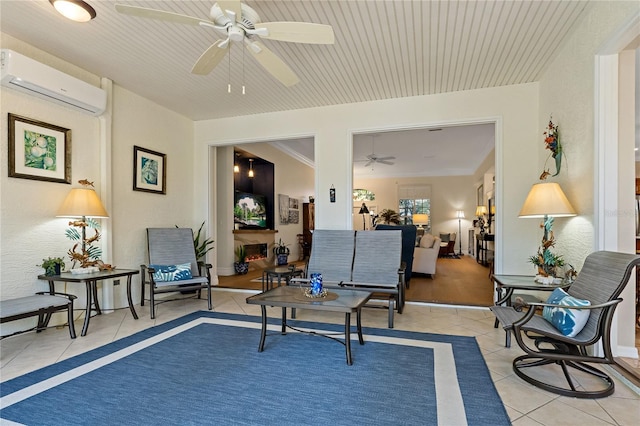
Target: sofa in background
(426,254)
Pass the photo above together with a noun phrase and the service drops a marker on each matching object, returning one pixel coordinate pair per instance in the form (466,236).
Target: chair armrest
(601,305)
(150,270)
(529,314)
(207,267)
(54,293)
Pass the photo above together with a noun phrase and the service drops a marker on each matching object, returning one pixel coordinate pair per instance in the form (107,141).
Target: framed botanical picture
(38,150)
(149,171)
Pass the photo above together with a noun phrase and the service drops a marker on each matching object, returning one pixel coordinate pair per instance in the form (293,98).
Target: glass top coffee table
(337,300)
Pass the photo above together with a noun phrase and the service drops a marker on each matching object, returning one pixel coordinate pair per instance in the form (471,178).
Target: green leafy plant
(202,247)
(281,248)
(390,216)
(241,254)
(49,264)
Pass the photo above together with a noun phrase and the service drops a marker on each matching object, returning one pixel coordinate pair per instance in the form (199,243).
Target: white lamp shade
(481,210)
(420,219)
(460,214)
(546,199)
(82,202)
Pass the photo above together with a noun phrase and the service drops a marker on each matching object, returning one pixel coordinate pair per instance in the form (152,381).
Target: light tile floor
(526,405)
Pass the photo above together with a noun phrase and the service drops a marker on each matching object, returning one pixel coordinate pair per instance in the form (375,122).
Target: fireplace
(256,251)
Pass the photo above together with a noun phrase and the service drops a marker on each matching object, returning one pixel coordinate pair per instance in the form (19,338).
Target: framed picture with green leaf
(38,150)
(149,171)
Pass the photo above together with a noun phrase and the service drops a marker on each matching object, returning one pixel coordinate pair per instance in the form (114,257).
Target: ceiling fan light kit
(76,10)
(239,22)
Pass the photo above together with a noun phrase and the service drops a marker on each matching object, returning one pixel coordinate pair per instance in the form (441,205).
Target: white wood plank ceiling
(383,49)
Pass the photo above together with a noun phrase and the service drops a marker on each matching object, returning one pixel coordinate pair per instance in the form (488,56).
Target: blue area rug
(205,368)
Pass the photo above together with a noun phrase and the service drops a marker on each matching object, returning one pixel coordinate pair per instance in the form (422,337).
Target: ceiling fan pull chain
(243,72)
(229,71)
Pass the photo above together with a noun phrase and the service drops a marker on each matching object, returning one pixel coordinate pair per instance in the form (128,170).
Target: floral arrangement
(552,143)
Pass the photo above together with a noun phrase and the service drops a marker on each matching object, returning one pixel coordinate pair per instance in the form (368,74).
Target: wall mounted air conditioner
(22,73)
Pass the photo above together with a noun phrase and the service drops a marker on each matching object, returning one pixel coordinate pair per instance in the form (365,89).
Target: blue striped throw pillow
(568,321)
(164,273)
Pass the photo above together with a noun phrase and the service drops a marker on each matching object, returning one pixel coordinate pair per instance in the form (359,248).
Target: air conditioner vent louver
(24,74)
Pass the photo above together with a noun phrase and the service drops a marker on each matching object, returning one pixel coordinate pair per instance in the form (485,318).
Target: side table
(279,273)
(518,282)
(91,285)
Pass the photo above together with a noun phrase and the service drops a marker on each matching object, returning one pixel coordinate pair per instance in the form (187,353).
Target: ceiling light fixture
(76,10)
(251,167)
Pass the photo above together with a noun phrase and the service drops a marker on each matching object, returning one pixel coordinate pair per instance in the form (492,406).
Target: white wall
(448,194)
(513,108)
(29,230)
(137,121)
(567,91)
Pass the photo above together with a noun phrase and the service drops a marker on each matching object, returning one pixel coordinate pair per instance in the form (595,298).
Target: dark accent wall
(262,183)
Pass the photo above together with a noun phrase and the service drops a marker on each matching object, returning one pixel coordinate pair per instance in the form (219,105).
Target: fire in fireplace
(255,251)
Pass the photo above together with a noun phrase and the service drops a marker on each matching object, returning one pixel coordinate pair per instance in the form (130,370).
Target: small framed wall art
(149,171)
(38,150)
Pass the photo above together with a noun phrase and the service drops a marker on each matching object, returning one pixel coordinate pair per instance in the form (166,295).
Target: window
(414,199)
(409,207)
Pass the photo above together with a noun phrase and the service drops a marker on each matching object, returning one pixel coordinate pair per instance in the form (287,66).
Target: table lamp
(420,219)
(546,200)
(460,216)
(480,212)
(83,203)
(364,210)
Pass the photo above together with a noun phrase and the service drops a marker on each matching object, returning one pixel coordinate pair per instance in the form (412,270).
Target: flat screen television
(250,211)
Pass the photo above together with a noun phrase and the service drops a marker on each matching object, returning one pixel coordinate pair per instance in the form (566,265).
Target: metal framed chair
(601,280)
(167,247)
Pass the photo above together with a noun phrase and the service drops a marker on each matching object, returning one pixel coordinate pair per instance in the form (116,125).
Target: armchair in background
(426,254)
(447,244)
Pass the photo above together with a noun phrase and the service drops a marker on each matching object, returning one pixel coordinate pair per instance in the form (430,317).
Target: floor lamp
(460,216)
(363,211)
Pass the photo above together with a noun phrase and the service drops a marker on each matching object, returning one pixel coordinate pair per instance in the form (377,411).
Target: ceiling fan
(373,158)
(239,22)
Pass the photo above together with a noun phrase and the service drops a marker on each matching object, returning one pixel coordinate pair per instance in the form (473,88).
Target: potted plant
(52,265)
(390,216)
(202,248)
(241,265)
(281,252)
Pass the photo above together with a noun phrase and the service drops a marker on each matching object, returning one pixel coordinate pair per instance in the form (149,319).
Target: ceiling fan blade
(386,158)
(273,64)
(234,6)
(388,163)
(298,32)
(143,12)
(370,162)
(210,58)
